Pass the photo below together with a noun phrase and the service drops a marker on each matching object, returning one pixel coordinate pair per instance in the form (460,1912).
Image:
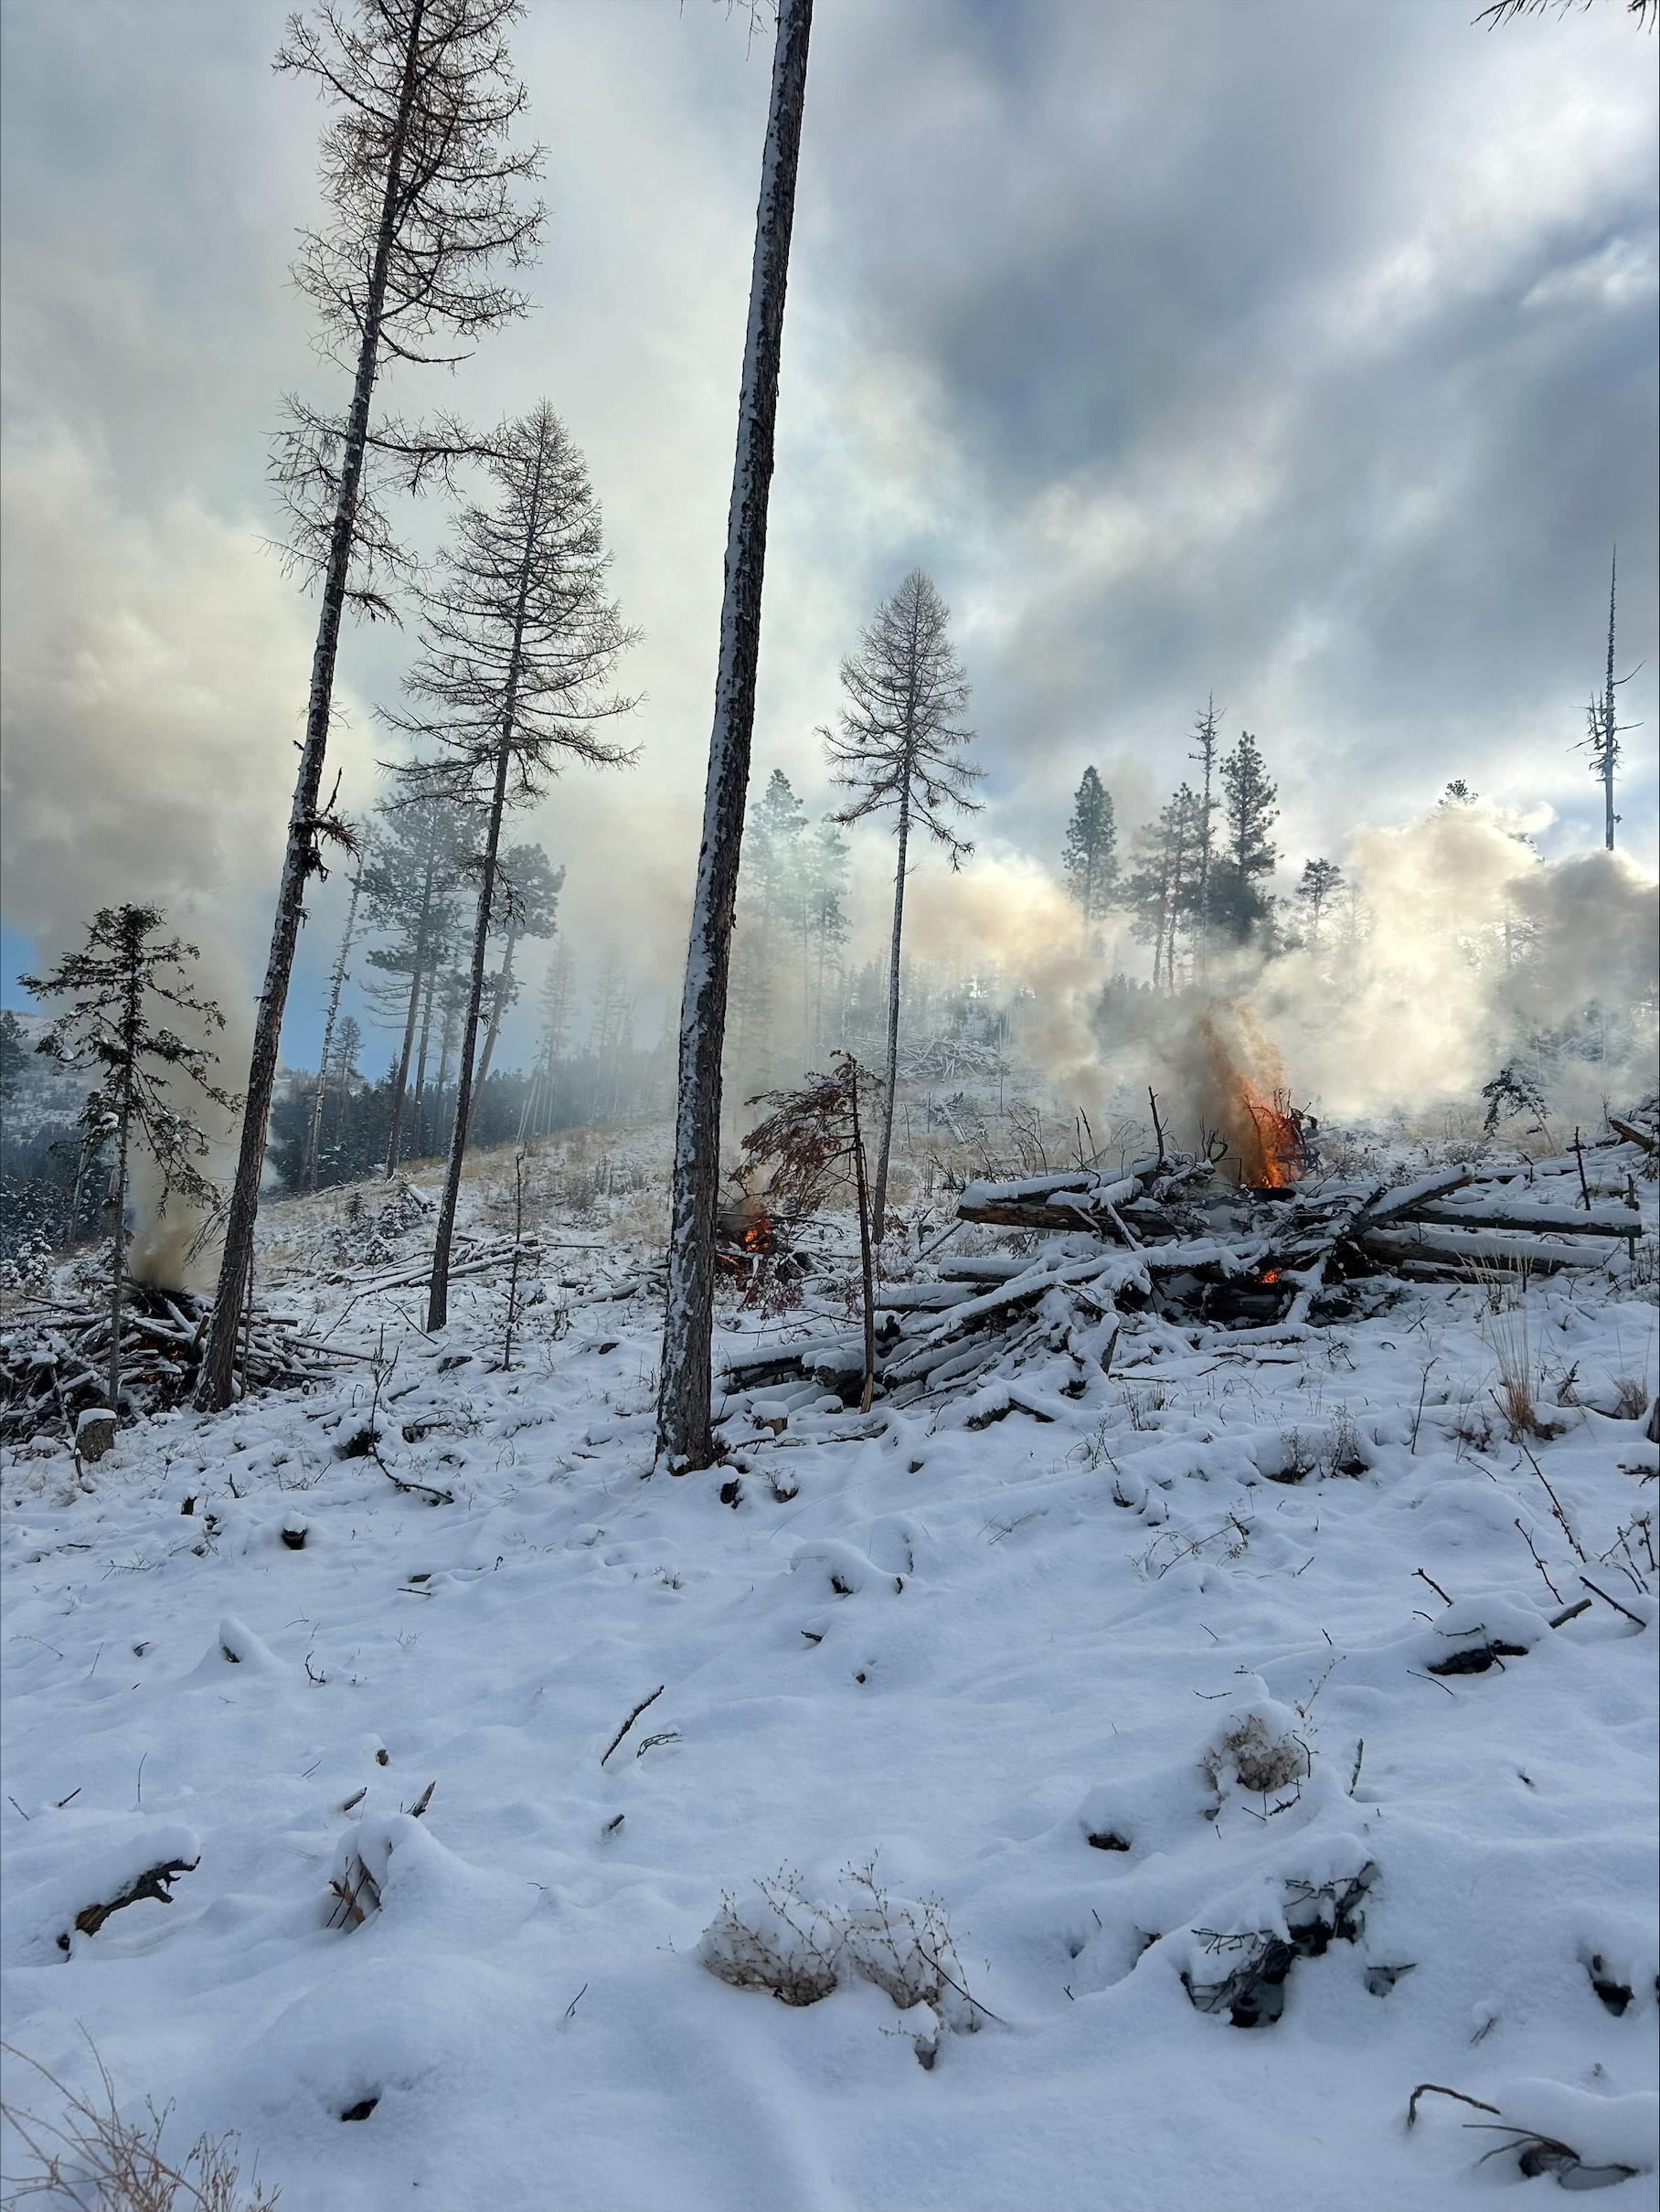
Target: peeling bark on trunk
(219,1357)
(683,1410)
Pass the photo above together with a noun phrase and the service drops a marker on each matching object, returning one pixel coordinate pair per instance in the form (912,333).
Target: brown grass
(89,2157)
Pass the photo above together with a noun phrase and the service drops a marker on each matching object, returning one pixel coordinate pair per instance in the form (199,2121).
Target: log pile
(1163,1236)
(54,1358)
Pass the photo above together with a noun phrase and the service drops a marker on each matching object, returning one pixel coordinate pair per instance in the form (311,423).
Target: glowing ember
(1270,1274)
(758,1238)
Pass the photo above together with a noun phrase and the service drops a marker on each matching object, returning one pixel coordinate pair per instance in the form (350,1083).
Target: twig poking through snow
(629,1723)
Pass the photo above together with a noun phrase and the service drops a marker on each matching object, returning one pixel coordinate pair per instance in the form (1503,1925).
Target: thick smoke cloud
(1303,356)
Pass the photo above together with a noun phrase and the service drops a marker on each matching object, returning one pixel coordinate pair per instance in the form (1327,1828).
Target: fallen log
(1413,1241)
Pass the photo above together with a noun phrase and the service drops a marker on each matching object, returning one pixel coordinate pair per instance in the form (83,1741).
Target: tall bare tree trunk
(683,1405)
(314,1134)
(118,1272)
(219,1357)
(417,1105)
(1609,817)
(879,1211)
(437,1293)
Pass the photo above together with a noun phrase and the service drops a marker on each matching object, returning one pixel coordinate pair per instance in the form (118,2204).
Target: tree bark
(683,1406)
(879,1211)
(218,1356)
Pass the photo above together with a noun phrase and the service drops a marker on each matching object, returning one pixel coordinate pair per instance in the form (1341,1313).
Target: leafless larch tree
(519,642)
(900,750)
(422,183)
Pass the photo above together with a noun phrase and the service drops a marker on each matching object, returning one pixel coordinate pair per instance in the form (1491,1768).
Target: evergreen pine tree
(1239,902)
(528,905)
(119,984)
(1090,854)
(824,882)
(1317,894)
(13,1054)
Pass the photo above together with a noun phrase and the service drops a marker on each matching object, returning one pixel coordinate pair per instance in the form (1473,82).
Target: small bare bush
(1261,1761)
(94,2160)
(908,1951)
(798,1951)
(779,1941)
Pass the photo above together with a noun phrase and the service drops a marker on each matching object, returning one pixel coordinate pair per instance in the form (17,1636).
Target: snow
(909,1671)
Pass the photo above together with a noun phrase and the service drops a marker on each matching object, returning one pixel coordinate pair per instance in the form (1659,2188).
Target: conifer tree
(119,984)
(825,886)
(519,643)
(528,906)
(1090,854)
(420,180)
(1239,901)
(1209,738)
(769,893)
(900,749)
(1161,890)
(421,848)
(14,1055)
(1317,892)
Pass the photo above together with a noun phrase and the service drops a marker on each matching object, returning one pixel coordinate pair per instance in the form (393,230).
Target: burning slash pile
(1166,1238)
(55,1361)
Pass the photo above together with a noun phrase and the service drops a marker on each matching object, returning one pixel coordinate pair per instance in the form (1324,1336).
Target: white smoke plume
(152,677)
(1462,948)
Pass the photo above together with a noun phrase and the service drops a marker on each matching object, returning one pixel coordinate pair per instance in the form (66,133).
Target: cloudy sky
(1302,352)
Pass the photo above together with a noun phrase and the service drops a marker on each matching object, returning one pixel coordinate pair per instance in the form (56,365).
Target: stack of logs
(1164,1236)
(54,1358)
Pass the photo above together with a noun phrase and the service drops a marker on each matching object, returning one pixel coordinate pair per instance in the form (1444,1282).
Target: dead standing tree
(420,180)
(518,643)
(899,748)
(683,1404)
(110,1028)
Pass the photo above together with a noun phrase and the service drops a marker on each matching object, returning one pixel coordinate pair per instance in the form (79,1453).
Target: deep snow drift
(1159,1749)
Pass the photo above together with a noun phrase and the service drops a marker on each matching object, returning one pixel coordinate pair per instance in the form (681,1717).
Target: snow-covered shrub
(907,1950)
(778,1940)
(1259,1750)
(798,1951)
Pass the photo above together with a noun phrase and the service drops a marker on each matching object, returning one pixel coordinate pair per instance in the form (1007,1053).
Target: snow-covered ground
(1063,1722)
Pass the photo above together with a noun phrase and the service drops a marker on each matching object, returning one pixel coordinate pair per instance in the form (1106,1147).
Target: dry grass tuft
(1261,1762)
(92,2159)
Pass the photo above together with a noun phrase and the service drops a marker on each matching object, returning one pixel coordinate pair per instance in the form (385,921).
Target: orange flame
(1254,1112)
(1278,1142)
